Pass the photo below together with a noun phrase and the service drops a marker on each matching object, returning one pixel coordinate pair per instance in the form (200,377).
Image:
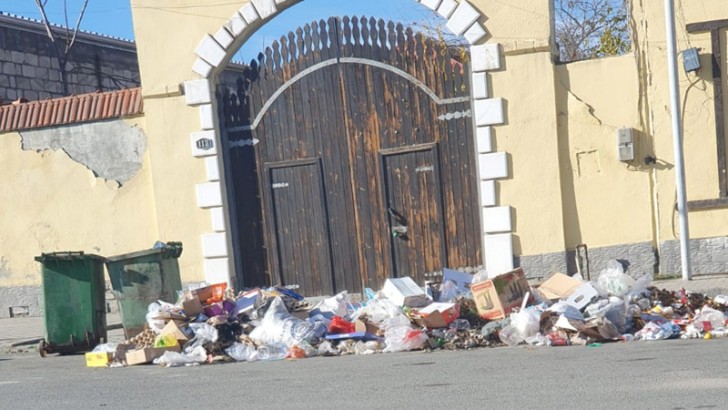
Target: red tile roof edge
(75,109)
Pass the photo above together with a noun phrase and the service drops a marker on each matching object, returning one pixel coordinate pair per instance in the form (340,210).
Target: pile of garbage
(463,311)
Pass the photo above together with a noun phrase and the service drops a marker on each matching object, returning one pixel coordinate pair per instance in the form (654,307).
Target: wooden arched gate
(351,153)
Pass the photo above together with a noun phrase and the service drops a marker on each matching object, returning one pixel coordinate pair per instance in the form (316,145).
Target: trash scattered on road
(214,324)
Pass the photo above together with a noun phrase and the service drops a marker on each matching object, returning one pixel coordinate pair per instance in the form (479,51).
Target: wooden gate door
(414,209)
(300,225)
(339,135)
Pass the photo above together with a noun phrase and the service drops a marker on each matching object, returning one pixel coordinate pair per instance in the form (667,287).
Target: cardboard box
(559,286)
(175,328)
(210,294)
(497,297)
(192,307)
(98,359)
(438,315)
(366,327)
(142,356)
(405,292)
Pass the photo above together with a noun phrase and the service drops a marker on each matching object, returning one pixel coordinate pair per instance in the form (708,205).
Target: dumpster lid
(68,256)
(173,249)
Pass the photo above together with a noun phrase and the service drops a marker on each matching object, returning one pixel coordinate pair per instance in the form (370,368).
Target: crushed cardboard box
(143,356)
(437,315)
(497,297)
(559,286)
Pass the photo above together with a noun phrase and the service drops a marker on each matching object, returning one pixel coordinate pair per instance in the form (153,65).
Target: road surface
(647,375)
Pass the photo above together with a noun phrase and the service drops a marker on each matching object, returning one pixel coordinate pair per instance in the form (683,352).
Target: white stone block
(209,195)
(475,33)
(462,18)
(236,25)
(218,219)
(214,245)
(487,193)
(431,4)
(493,166)
(207,120)
(265,8)
(249,14)
(447,7)
(484,138)
(486,57)
(202,68)
(213,169)
(498,253)
(197,92)
(210,51)
(217,270)
(490,111)
(223,37)
(497,219)
(204,143)
(480,86)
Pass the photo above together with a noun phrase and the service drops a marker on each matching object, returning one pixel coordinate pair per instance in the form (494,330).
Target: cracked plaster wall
(112,150)
(50,201)
(606,202)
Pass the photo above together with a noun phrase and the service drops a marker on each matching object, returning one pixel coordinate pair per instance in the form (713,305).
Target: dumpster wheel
(43,348)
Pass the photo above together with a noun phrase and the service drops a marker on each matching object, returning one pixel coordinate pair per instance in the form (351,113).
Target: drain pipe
(682,203)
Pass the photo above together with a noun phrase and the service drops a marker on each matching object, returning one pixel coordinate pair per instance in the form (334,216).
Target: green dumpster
(141,278)
(73,295)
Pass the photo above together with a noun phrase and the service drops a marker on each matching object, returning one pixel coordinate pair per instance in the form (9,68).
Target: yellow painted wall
(51,203)
(530,138)
(174,175)
(696,92)
(606,202)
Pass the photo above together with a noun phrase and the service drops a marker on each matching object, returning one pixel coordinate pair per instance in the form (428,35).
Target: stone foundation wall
(29,68)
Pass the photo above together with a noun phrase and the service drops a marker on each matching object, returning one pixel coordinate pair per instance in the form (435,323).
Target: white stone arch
(215,50)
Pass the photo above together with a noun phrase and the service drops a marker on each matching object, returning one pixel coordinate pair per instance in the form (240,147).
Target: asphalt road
(646,375)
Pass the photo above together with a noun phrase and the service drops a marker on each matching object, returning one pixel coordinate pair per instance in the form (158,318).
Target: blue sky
(113,17)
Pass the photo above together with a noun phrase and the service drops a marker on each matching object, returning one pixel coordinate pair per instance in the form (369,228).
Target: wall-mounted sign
(205,144)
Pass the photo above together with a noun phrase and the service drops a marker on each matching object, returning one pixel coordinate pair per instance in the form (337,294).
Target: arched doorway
(222,249)
(352,157)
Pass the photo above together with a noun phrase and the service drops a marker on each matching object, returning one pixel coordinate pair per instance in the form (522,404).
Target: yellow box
(99,359)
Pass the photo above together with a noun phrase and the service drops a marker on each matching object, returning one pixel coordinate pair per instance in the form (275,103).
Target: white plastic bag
(333,306)
(400,339)
(563,308)
(614,281)
(526,322)
(448,292)
(273,351)
(106,348)
(195,356)
(377,311)
(152,313)
(242,353)
(708,314)
(613,309)
(639,289)
(395,322)
(278,326)
(204,334)
(481,276)
(510,336)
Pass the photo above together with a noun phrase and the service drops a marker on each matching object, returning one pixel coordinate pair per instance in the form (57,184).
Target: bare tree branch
(62,51)
(46,23)
(78,25)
